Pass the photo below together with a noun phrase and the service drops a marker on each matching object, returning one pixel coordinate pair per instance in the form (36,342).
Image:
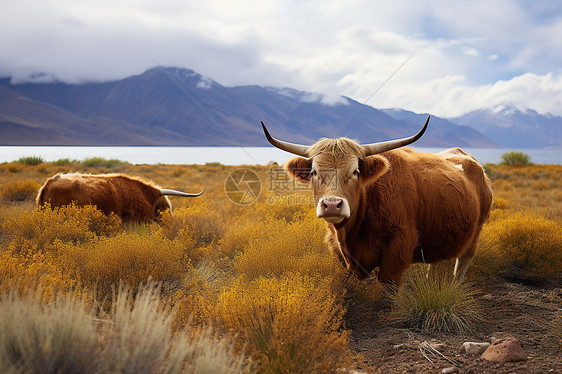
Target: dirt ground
(512,310)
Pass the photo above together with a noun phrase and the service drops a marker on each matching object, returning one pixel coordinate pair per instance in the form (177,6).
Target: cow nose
(332,205)
(333,209)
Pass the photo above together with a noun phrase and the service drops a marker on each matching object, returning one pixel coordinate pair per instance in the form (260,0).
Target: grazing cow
(129,198)
(390,207)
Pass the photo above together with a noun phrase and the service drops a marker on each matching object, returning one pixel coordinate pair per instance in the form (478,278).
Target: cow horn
(298,149)
(374,148)
(164,191)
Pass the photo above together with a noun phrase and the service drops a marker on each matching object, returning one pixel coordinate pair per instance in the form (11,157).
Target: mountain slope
(30,122)
(513,128)
(180,107)
(445,131)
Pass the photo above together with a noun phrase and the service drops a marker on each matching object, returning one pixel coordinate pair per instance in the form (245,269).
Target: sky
(445,57)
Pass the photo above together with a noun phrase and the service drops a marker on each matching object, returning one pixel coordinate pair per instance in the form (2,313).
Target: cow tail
(40,200)
(484,187)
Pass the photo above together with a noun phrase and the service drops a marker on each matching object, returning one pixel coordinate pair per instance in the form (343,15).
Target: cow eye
(356,172)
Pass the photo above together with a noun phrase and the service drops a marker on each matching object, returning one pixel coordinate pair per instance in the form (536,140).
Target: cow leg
(395,259)
(463,261)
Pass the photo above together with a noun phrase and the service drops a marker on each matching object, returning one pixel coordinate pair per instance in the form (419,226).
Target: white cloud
(205,83)
(465,55)
(470,51)
(542,93)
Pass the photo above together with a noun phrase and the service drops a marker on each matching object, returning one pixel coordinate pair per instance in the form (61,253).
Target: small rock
(473,348)
(505,350)
(493,339)
(488,296)
(451,370)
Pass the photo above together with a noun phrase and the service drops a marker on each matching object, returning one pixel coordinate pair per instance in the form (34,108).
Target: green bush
(62,162)
(97,162)
(515,159)
(32,160)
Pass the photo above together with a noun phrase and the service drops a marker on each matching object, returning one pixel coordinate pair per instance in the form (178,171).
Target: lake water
(223,155)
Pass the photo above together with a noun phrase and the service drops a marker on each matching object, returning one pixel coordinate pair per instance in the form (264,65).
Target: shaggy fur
(129,198)
(405,206)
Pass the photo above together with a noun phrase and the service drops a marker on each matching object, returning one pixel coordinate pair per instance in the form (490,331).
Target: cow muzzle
(333,209)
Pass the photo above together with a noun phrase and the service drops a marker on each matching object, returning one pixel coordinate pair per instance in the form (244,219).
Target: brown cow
(129,198)
(390,207)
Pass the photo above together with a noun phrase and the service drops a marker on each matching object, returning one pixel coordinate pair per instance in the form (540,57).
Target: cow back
(129,198)
(436,202)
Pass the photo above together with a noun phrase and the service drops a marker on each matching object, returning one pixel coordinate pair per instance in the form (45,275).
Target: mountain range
(174,106)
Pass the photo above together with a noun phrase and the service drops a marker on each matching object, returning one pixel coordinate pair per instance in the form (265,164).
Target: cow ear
(372,168)
(299,168)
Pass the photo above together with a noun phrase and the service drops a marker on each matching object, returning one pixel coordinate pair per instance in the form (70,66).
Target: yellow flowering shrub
(129,258)
(201,221)
(240,233)
(33,271)
(38,230)
(260,271)
(196,299)
(521,245)
(288,208)
(12,211)
(531,188)
(296,247)
(500,203)
(17,190)
(541,185)
(287,325)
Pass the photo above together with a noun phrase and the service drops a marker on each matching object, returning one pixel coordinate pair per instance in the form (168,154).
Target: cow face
(160,206)
(338,171)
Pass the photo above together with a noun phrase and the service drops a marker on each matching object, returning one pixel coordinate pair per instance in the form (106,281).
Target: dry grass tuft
(435,303)
(65,336)
(58,337)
